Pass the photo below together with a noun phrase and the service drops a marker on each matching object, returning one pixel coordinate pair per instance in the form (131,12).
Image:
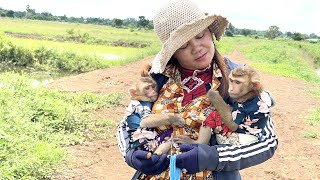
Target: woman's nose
(196,45)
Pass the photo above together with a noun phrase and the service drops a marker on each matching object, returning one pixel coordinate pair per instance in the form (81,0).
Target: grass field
(36,122)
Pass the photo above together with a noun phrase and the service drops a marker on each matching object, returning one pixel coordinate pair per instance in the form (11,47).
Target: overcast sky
(288,15)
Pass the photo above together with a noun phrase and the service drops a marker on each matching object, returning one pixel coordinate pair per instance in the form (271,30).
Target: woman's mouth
(202,57)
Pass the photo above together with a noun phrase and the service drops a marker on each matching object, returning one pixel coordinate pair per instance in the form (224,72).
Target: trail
(296,158)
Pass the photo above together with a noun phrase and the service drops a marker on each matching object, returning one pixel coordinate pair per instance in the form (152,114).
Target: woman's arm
(228,157)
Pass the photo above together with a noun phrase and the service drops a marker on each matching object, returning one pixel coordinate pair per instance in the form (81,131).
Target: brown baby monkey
(146,90)
(244,84)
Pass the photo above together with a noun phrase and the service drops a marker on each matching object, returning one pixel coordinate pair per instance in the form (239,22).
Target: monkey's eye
(237,82)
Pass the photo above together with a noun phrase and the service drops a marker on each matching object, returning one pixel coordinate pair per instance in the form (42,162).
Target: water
(318,72)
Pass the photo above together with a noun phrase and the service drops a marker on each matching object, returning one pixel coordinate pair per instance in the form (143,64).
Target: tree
(10,13)
(117,22)
(143,22)
(229,33)
(231,28)
(29,12)
(245,32)
(297,36)
(273,32)
(313,36)
(289,34)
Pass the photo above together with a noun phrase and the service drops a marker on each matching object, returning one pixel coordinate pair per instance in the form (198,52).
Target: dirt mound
(296,158)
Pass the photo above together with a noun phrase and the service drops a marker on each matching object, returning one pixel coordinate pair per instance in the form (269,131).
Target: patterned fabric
(191,80)
(140,138)
(251,116)
(195,113)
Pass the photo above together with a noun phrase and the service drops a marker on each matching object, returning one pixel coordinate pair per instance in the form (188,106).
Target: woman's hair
(223,88)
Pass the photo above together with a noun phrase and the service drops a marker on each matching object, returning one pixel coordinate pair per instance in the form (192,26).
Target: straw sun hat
(176,23)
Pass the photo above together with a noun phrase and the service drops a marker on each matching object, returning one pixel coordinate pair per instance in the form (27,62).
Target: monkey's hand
(177,120)
(163,148)
(223,109)
(183,139)
(145,69)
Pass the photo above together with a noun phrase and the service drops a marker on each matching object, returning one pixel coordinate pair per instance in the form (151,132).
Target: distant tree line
(29,13)
(272,33)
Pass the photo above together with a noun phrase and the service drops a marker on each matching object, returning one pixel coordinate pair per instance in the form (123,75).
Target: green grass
(53,28)
(73,56)
(36,122)
(312,135)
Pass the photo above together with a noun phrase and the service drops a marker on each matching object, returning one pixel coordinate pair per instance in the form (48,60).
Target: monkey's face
(239,86)
(150,91)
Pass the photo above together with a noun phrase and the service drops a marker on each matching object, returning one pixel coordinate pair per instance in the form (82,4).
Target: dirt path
(296,158)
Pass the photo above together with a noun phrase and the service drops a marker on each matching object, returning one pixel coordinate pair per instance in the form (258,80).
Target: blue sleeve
(233,157)
(123,139)
(160,79)
(133,122)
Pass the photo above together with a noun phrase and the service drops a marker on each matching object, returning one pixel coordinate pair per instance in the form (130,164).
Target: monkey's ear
(256,84)
(133,92)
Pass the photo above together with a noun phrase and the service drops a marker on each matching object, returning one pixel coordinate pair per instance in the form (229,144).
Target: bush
(297,36)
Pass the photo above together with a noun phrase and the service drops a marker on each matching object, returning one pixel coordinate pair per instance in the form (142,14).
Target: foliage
(315,117)
(297,36)
(36,122)
(47,16)
(273,32)
(245,32)
(229,33)
(143,22)
(46,59)
(117,22)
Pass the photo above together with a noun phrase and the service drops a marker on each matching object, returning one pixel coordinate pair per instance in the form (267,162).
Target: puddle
(108,56)
(318,72)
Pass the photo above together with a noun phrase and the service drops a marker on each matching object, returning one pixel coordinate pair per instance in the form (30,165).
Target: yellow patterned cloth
(194,113)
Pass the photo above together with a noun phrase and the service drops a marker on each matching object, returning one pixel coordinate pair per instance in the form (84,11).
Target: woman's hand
(154,165)
(197,157)
(145,69)
(183,139)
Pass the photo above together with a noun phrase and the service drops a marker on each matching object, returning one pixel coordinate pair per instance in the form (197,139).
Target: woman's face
(197,53)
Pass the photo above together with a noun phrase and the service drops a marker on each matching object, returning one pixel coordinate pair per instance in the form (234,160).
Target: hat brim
(216,24)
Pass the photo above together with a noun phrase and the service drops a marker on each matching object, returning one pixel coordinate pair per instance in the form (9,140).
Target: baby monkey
(249,112)
(144,93)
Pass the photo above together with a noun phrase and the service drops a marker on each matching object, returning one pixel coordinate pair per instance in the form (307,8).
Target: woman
(187,66)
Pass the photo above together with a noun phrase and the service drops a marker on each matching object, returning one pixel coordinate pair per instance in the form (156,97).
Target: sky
(288,15)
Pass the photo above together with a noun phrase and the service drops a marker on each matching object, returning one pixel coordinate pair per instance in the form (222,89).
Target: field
(38,122)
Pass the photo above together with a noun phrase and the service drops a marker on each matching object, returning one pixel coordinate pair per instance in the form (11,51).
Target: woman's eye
(199,36)
(184,46)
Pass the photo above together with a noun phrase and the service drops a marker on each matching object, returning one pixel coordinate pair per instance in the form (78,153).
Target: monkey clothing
(251,116)
(140,138)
